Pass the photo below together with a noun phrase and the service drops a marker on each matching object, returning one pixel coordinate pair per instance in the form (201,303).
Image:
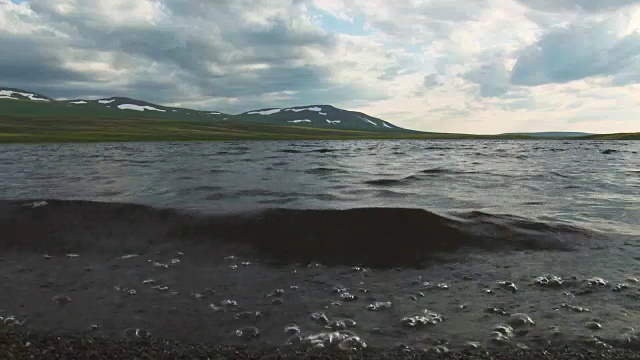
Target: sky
(471,66)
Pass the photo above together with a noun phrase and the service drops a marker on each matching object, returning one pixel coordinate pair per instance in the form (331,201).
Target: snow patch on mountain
(314,108)
(78,102)
(323,114)
(369,121)
(264,112)
(138,107)
(387,125)
(333,121)
(299,121)
(8,94)
(214,113)
(106,101)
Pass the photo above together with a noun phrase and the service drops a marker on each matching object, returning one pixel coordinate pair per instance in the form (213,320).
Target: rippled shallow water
(588,183)
(535,193)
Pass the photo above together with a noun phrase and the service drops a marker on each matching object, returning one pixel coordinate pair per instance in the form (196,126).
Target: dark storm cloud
(23,59)
(196,49)
(492,79)
(577,52)
(264,81)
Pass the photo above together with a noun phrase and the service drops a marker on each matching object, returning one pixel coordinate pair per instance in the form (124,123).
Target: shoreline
(20,344)
(104,270)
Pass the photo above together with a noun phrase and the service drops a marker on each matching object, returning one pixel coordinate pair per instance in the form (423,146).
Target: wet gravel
(26,345)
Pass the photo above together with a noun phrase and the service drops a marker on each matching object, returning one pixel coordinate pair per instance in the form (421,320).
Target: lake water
(528,208)
(590,184)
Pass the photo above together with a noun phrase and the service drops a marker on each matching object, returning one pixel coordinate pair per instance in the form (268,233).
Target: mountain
(319,116)
(29,116)
(551,134)
(132,106)
(17,94)
(312,116)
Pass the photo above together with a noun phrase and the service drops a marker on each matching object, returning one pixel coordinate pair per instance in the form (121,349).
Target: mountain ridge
(312,116)
(552,134)
(31,116)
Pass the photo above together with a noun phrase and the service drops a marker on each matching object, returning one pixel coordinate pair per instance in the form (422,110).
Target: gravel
(18,344)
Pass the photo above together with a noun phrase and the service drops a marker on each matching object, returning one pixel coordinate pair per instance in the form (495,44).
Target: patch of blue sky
(353,26)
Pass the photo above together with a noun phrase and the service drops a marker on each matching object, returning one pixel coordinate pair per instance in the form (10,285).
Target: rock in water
(61,300)
(248,332)
(521,320)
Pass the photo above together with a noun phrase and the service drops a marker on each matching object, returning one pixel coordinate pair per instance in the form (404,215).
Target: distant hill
(551,134)
(320,116)
(29,116)
(312,116)
(618,136)
(131,106)
(17,94)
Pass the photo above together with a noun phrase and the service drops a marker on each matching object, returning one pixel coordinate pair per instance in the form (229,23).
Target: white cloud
(459,66)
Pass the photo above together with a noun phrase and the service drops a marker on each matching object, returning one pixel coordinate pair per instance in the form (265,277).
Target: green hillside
(30,117)
(617,136)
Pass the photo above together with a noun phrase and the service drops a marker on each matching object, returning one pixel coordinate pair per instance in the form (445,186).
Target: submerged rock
(276,292)
(133,333)
(320,318)
(61,300)
(248,332)
(574,308)
(592,325)
(292,329)
(10,321)
(497,311)
(620,287)
(249,315)
(229,303)
(501,334)
(429,318)
(379,305)
(520,320)
(342,340)
(345,296)
(337,325)
(338,290)
(549,281)
(597,282)
(508,285)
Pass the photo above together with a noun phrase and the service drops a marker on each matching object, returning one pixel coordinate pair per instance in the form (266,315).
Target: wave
(435,171)
(324,151)
(393,182)
(325,171)
(373,237)
(560,175)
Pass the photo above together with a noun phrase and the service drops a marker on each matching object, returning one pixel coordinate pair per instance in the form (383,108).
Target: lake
(477,232)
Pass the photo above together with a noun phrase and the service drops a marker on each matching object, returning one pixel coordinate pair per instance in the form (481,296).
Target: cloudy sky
(478,66)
